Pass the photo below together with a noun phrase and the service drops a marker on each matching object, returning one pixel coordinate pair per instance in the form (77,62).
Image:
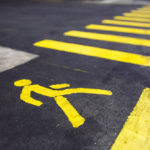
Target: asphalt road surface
(106,65)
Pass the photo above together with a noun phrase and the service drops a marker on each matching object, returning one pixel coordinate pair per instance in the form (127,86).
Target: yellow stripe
(126,23)
(141,11)
(59,86)
(73,116)
(136,15)
(132,19)
(144,9)
(135,134)
(95,52)
(118,29)
(109,38)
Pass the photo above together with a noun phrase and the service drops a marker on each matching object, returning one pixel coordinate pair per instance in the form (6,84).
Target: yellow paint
(136,15)
(126,23)
(141,11)
(95,52)
(59,86)
(73,116)
(118,29)
(23,82)
(109,38)
(136,131)
(132,19)
(144,9)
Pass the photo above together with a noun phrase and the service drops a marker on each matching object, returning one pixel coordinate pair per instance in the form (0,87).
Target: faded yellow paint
(95,52)
(118,29)
(136,131)
(59,86)
(131,19)
(109,38)
(136,15)
(127,23)
(73,116)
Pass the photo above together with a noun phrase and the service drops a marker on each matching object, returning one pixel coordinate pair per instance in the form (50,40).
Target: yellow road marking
(141,11)
(73,116)
(95,52)
(109,37)
(59,86)
(136,131)
(136,15)
(131,19)
(118,29)
(144,9)
(126,23)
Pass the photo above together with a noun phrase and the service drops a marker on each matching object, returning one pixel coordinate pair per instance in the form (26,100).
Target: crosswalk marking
(136,15)
(118,29)
(136,131)
(131,19)
(109,38)
(140,11)
(144,9)
(95,52)
(126,23)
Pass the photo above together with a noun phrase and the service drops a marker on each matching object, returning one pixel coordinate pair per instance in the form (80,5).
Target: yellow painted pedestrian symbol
(57,92)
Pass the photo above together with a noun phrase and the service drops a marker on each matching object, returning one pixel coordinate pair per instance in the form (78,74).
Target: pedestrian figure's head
(22,82)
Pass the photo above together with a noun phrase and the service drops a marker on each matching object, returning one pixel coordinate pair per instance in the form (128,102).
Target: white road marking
(10,58)
(123,2)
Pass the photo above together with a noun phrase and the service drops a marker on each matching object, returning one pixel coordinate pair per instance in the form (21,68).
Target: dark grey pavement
(27,127)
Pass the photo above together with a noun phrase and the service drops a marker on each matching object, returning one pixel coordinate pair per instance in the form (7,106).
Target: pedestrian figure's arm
(26,97)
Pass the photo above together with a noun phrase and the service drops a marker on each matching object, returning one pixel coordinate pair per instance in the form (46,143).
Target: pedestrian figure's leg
(74,117)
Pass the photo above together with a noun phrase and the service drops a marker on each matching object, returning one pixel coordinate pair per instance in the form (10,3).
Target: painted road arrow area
(74,76)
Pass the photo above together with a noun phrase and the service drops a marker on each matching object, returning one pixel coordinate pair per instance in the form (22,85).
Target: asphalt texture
(27,127)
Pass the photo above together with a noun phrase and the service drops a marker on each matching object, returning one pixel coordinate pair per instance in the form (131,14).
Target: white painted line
(10,58)
(126,2)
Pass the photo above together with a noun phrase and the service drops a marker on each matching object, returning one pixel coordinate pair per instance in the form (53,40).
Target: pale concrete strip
(123,2)
(10,58)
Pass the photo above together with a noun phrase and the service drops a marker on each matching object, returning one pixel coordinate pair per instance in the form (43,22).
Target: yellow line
(135,134)
(118,29)
(136,15)
(109,38)
(131,19)
(95,52)
(127,23)
(144,9)
(73,116)
(140,11)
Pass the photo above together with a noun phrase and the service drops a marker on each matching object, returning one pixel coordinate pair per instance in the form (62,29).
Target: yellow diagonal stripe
(109,38)
(144,9)
(136,15)
(95,52)
(131,19)
(135,134)
(127,23)
(118,29)
(141,11)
